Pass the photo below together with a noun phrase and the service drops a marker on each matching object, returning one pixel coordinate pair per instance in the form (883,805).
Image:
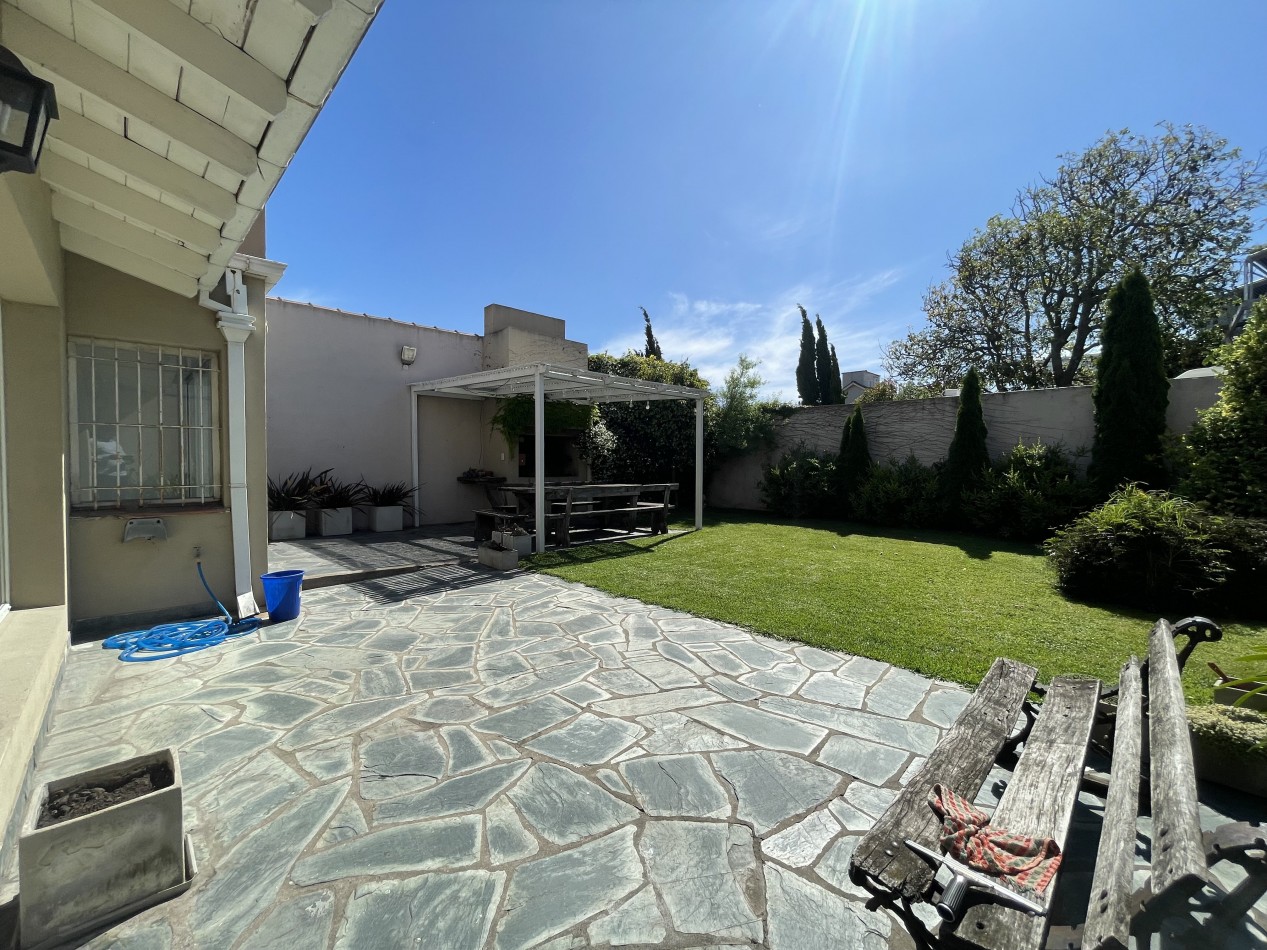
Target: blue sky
(719,162)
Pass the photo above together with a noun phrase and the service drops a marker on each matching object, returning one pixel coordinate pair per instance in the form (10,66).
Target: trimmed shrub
(1131,390)
(904,495)
(1028,494)
(1161,552)
(854,463)
(968,458)
(800,485)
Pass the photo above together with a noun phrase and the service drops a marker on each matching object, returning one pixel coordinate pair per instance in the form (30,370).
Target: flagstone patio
(458,759)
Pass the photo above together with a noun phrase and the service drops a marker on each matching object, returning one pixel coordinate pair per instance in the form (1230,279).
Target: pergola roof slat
(560,382)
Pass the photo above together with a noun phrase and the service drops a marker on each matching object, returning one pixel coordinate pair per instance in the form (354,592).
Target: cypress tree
(968,457)
(822,363)
(854,463)
(837,389)
(1131,390)
(806,378)
(653,345)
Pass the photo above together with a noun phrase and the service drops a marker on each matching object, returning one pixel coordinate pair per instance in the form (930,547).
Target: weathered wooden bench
(626,514)
(1040,797)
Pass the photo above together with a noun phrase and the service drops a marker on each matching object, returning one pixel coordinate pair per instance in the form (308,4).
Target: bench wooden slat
(1109,913)
(961,762)
(1039,801)
(1178,853)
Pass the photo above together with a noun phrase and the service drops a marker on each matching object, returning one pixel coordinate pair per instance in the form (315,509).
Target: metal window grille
(145,425)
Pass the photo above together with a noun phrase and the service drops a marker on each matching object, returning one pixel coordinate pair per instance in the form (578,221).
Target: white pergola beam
(107,227)
(65,59)
(103,252)
(64,175)
(137,160)
(203,49)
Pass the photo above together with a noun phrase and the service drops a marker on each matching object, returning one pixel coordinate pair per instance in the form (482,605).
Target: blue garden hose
(176,639)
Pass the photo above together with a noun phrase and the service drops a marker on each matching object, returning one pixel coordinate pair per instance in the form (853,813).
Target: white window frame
(182,427)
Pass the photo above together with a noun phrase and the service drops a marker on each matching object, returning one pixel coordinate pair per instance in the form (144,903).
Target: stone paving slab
(459,759)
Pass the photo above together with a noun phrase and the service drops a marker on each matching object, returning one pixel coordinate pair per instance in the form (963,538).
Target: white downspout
(539,462)
(417,465)
(237,326)
(699,464)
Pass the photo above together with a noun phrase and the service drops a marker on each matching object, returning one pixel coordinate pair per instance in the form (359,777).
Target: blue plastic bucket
(281,594)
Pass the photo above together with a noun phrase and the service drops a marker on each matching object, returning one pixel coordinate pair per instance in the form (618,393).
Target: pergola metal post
(539,461)
(699,464)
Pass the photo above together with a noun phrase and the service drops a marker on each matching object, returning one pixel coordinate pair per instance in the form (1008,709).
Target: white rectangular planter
(520,544)
(82,873)
(387,518)
(1229,695)
(335,521)
(287,525)
(498,560)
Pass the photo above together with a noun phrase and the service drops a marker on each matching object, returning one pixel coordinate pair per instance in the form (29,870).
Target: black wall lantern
(27,103)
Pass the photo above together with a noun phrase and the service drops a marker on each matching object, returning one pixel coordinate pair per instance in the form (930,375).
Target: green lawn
(942,604)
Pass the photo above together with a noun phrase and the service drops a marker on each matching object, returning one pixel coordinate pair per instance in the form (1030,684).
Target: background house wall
(338,393)
(925,427)
(113,583)
(338,398)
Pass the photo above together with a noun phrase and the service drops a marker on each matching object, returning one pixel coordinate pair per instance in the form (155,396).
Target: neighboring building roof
(561,382)
(177,118)
(1201,371)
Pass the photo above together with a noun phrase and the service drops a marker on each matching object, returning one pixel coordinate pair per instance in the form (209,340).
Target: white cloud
(712,333)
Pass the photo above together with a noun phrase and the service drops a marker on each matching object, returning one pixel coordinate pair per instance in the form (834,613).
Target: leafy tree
(822,363)
(653,345)
(1131,390)
(854,464)
(1229,441)
(806,374)
(968,458)
(1026,298)
(888,390)
(741,422)
(640,441)
(837,388)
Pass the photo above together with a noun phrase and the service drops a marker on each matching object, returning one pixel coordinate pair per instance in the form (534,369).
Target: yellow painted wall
(35,433)
(107,577)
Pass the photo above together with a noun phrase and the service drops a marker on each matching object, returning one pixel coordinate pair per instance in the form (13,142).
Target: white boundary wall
(924,428)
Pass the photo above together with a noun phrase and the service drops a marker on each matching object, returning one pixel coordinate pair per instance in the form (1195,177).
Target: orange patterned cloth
(967,837)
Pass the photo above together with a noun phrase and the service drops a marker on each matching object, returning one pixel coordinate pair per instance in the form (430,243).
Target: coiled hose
(176,639)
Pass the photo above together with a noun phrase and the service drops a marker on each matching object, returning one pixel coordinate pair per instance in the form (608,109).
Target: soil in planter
(80,800)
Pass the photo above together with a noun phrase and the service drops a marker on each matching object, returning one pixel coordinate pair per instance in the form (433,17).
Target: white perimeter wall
(338,395)
(924,428)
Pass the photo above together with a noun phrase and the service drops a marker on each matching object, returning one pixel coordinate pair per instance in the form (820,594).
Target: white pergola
(546,381)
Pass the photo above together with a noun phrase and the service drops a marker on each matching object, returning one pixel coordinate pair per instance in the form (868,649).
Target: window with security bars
(145,425)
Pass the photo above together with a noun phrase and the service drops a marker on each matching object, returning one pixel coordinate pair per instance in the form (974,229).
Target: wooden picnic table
(566,503)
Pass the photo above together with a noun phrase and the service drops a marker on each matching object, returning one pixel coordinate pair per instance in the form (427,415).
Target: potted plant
(335,500)
(287,502)
(100,846)
(491,554)
(386,505)
(1248,693)
(517,539)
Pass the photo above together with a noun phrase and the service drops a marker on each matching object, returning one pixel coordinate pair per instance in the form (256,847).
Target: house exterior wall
(338,394)
(338,398)
(111,581)
(925,427)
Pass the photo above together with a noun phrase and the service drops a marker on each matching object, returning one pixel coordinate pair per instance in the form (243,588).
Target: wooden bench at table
(1040,798)
(591,509)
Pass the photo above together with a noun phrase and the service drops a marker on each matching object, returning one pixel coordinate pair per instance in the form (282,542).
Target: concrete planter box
(82,873)
(1244,773)
(498,560)
(520,544)
(387,518)
(334,521)
(287,525)
(1228,696)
